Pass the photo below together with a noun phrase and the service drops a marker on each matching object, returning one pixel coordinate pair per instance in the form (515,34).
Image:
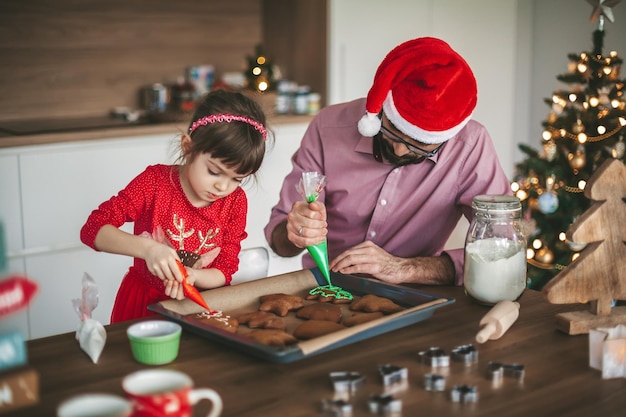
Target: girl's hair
(237,144)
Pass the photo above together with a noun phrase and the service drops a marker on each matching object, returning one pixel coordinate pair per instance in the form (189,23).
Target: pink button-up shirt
(408,211)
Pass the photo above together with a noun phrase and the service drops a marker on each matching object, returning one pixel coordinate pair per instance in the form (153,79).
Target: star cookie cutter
(465,353)
(384,405)
(496,371)
(434,382)
(464,394)
(393,375)
(435,357)
(346,381)
(338,408)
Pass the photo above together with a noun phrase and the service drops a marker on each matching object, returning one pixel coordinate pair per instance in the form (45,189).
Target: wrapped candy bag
(90,334)
(310,186)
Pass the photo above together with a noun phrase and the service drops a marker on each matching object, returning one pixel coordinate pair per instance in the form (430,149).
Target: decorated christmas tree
(585,126)
(260,73)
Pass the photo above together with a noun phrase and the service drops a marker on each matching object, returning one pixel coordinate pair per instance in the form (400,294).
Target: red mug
(164,392)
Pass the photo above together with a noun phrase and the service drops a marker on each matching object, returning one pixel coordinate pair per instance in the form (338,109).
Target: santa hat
(426,90)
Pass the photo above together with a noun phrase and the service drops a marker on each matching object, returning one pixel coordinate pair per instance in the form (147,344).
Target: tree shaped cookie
(598,275)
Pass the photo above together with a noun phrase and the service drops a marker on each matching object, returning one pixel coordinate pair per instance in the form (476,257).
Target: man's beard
(386,149)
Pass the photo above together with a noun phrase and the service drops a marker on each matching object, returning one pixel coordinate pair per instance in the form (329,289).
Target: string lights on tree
(585,126)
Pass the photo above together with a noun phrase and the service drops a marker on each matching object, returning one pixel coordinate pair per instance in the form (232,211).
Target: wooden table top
(558,380)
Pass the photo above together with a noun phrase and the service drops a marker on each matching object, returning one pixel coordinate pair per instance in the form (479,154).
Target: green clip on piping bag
(310,186)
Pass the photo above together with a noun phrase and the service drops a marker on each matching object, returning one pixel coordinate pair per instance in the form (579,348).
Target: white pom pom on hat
(426,90)
(369,125)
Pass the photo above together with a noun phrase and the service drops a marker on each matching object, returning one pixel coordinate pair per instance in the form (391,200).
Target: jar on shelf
(495,250)
(314,103)
(284,97)
(302,100)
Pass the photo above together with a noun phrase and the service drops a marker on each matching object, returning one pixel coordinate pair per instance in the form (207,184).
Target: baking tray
(242,298)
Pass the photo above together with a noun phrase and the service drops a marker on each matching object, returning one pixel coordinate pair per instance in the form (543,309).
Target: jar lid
(496,202)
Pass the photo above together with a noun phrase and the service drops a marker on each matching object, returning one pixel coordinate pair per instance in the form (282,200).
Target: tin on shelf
(155,98)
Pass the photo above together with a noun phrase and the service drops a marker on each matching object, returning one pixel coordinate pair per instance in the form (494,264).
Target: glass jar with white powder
(495,250)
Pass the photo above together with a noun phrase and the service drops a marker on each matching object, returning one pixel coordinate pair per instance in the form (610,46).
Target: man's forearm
(434,270)
(281,244)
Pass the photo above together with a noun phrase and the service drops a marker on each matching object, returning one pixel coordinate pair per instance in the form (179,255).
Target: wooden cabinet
(83,59)
(48,192)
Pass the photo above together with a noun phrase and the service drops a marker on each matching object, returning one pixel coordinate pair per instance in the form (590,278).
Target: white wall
(515,47)
(484,32)
(357,46)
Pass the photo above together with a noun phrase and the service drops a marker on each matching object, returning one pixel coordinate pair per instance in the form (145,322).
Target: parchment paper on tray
(244,298)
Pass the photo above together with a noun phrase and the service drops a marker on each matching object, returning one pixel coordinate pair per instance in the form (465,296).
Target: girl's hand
(174,289)
(161,261)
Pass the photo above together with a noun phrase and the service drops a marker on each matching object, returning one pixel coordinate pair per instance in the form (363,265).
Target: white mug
(164,392)
(95,405)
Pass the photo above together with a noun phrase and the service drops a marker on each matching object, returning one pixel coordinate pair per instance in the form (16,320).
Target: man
(401,168)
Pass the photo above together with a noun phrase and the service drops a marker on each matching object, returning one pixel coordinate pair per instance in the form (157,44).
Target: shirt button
(395,170)
(372,234)
(383,202)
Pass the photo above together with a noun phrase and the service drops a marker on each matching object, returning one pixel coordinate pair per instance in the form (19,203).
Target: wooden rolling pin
(498,320)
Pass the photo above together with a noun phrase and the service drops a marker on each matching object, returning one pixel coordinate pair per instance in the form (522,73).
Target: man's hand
(305,226)
(367,258)
(306,223)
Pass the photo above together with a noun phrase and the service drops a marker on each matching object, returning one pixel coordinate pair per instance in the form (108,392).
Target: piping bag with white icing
(90,334)
(498,320)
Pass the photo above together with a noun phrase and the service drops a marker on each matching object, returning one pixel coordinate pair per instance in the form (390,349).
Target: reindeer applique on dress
(189,258)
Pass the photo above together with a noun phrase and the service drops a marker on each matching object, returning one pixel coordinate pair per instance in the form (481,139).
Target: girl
(194,211)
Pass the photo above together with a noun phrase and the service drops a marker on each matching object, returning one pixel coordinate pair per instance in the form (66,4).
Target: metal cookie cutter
(465,353)
(496,371)
(339,408)
(464,394)
(346,382)
(434,382)
(384,405)
(435,357)
(393,375)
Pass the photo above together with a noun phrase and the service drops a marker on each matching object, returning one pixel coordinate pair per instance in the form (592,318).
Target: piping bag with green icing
(310,186)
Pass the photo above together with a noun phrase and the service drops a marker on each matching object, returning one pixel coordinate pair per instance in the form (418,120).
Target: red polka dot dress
(153,200)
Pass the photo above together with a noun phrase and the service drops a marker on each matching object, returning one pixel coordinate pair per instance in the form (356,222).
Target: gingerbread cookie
(273,337)
(330,293)
(320,311)
(261,319)
(311,329)
(361,318)
(280,304)
(217,319)
(371,303)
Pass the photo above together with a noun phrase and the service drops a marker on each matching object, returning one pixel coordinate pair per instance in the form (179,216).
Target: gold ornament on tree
(544,255)
(578,127)
(617,151)
(550,149)
(578,159)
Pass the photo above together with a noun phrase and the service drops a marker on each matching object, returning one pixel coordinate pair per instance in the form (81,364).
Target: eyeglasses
(416,150)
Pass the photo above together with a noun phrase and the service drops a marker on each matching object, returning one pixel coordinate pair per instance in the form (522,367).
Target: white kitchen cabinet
(59,186)
(263,195)
(10,217)
(49,190)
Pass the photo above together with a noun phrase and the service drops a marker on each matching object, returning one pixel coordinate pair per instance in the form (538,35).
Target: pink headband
(203,121)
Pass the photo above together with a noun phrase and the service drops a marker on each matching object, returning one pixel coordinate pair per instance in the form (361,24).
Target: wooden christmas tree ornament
(598,275)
